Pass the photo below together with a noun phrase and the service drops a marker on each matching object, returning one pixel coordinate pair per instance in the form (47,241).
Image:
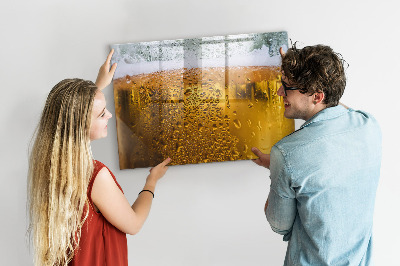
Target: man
(324,175)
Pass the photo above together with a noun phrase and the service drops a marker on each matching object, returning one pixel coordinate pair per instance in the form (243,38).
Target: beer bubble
(249,122)
(237,123)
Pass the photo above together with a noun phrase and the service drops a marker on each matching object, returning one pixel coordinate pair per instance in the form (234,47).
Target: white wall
(208,214)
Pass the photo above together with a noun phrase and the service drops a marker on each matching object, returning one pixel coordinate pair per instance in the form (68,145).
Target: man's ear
(281,52)
(318,97)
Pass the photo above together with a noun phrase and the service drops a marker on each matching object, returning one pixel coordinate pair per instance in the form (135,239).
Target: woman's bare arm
(114,206)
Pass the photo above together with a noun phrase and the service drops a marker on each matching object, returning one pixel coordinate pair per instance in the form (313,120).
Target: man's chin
(288,115)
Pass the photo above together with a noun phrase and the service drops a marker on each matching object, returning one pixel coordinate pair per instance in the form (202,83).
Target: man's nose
(280,91)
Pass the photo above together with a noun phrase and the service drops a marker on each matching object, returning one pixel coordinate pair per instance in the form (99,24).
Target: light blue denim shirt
(323,183)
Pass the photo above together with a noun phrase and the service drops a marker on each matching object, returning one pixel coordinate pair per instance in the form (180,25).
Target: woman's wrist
(150,185)
(147,190)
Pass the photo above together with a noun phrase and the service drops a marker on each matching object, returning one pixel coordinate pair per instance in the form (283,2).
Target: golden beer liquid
(198,115)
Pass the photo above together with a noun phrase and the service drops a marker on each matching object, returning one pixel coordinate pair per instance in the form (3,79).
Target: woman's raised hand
(106,73)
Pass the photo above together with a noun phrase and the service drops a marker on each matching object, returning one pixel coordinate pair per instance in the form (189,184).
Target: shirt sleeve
(281,210)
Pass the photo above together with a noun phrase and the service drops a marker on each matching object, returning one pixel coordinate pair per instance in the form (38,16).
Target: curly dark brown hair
(316,69)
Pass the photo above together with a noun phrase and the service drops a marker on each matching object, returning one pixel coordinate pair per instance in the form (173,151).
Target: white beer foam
(258,57)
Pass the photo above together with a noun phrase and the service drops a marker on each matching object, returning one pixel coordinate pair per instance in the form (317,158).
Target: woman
(78,212)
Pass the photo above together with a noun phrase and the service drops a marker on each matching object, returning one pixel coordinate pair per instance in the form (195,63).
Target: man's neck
(318,108)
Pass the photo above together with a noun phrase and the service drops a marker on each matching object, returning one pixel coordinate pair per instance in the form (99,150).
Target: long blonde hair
(60,167)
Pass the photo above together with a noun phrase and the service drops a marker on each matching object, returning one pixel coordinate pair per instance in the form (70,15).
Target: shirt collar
(326,114)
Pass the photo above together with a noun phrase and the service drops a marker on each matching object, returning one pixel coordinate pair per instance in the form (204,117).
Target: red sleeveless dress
(101,243)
